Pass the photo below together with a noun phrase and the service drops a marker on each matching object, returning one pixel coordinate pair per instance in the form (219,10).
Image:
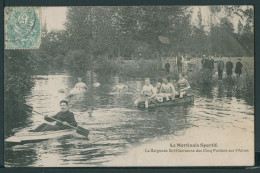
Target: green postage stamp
(22,27)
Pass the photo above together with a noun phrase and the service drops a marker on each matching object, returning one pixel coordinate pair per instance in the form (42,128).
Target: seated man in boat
(158,87)
(147,93)
(182,85)
(158,97)
(119,87)
(79,88)
(81,85)
(167,90)
(64,116)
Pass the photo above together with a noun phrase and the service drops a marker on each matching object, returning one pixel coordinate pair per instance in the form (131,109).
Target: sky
(55,17)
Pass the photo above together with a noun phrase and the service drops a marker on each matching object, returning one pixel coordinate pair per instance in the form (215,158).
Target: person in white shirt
(79,88)
(148,92)
(167,90)
(182,85)
(81,85)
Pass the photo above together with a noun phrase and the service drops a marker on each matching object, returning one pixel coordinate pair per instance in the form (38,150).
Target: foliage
(76,61)
(96,38)
(130,68)
(18,74)
(200,77)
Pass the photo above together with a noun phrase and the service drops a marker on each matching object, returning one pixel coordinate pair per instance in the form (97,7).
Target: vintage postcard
(128,86)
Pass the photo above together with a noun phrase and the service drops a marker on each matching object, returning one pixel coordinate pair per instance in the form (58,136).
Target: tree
(240,28)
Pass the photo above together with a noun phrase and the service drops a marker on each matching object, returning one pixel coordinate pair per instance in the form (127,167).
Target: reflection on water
(116,125)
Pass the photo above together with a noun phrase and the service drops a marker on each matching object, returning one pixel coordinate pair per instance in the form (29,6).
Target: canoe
(76,91)
(27,137)
(177,101)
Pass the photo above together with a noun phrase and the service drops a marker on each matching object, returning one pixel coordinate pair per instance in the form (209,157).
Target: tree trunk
(118,55)
(106,57)
(91,71)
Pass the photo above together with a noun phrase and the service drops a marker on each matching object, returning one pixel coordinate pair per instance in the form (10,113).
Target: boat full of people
(165,93)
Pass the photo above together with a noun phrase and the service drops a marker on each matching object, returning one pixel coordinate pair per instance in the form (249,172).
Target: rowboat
(27,137)
(76,91)
(177,101)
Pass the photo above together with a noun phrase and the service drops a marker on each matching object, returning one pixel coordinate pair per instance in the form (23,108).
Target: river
(116,127)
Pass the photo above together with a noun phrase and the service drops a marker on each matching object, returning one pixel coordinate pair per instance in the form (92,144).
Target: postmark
(22,27)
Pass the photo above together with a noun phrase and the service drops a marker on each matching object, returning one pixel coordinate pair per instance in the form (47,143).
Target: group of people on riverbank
(179,63)
(208,63)
(163,91)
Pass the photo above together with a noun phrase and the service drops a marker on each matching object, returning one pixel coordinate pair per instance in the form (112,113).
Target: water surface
(117,126)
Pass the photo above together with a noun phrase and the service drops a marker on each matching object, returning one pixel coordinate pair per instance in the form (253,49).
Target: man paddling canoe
(182,85)
(167,90)
(81,85)
(79,88)
(64,116)
(148,92)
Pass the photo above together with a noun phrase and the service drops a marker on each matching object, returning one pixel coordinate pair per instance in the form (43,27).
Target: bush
(77,62)
(106,67)
(128,68)
(18,74)
(200,77)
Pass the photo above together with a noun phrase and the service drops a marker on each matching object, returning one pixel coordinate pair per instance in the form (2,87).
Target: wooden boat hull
(175,102)
(38,136)
(77,91)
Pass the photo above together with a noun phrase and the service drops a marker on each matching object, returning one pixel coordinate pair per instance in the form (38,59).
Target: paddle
(142,94)
(79,130)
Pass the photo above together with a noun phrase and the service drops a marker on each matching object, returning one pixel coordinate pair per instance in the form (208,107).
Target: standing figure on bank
(203,62)
(238,69)
(211,63)
(207,63)
(179,62)
(167,67)
(221,66)
(229,68)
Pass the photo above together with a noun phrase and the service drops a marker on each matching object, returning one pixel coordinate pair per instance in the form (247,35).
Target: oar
(142,94)
(79,130)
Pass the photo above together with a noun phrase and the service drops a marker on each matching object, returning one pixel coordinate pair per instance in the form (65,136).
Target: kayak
(27,137)
(177,101)
(76,91)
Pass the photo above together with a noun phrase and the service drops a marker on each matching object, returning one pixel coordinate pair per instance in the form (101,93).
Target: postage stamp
(22,27)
